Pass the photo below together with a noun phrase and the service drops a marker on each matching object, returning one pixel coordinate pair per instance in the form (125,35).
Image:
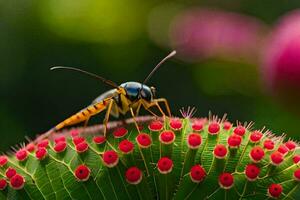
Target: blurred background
(240,57)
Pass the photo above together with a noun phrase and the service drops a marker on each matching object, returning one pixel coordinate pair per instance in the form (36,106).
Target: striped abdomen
(83,115)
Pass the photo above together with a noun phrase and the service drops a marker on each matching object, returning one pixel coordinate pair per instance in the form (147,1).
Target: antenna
(106,81)
(158,65)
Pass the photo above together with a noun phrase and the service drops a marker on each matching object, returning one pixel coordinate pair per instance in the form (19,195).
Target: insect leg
(159,108)
(147,108)
(107,115)
(133,116)
(165,103)
(138,109)
(154,103)
(85,124)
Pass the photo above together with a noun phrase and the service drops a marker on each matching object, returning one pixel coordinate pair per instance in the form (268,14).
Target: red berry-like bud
(175,124)
(41,153)
(220,151)
(17,182)
(197,173)
(275,190)
(213,128)
(283,149)
(297,175)
(156,126)
(269,144)
(82,173)
(99,139)
(296,159)
(74,133)
(227,126)
(226,180)
(165,165)
(234,141)
(10,172)
(276,158)
(194,140)
(82,147)
(290,145)
(3,160)
(120,132)
(198,125)
(252,172)
(239,130)
(30,147)
(167,137)
(133,175)
(78,140)
(43,144)
(3,184)
(60,147)
(21,155)
(143,140)
(255,136)
(110,158)
(60,139)
(256,154)
(126,146)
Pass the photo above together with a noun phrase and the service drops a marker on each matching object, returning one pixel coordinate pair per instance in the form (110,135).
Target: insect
(127,97)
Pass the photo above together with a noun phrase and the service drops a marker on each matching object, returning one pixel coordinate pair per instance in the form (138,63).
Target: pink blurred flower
(203,33)
(281,57)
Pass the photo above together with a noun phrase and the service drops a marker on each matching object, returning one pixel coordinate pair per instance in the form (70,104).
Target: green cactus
(174,158)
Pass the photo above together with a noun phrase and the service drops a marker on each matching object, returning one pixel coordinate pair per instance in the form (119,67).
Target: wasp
(124,98)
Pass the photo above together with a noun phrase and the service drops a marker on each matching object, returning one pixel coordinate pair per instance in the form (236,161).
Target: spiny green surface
(53,177)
